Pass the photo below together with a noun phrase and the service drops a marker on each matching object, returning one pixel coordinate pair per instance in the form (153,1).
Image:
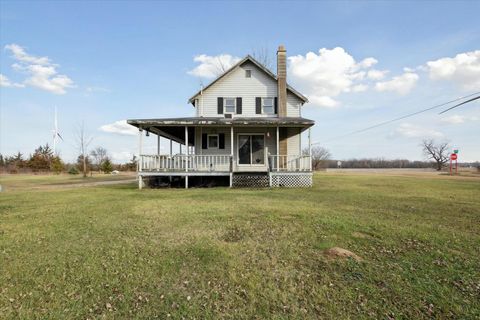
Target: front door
(251,149)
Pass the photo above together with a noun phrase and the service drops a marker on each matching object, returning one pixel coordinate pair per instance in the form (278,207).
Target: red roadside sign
(453,156)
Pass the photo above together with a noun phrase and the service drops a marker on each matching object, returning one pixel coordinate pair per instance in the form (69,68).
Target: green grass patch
(117,252)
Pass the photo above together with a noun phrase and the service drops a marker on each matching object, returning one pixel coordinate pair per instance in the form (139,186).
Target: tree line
(45,161)
(437,155)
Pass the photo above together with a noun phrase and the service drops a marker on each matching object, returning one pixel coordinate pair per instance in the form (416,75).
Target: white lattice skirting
(291,179)
(250,180)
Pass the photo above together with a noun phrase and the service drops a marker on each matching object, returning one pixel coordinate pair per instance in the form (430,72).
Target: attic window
(248,73)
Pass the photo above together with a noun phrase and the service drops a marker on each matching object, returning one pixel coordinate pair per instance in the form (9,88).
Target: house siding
(236,85)
(270,141)
(293,142)
(294,105)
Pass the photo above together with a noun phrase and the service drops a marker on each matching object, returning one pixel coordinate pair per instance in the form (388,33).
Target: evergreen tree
(106,166)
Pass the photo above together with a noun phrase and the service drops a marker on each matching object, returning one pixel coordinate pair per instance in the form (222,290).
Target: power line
(407,116)
(458,105)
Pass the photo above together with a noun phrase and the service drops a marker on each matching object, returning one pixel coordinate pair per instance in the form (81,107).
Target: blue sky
(368,62)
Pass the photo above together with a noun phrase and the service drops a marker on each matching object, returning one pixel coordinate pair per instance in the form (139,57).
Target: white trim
(278,147)
(225,106)
(238,151)
(231,157)
(273,105)
(186,147)
(208,141)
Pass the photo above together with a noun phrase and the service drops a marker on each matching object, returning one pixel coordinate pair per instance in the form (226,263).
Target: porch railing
(192,163)
(290,163)
(217,163)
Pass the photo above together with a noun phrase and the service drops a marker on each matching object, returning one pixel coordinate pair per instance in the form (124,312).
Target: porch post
(186,158)
(158,144)
(278,149)
(310,146)
(231,156)
(170,147)
(139,166)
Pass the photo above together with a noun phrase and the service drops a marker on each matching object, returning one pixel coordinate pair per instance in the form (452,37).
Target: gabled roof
(261,67)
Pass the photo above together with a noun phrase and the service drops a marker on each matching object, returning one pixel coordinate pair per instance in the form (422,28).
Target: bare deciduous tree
(221,66)
(263,55)
(436,151)
(99,155)
(320,157)
(82,142)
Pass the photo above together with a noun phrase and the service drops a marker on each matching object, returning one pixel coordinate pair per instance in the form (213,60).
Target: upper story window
(229,104)
(267,106)
(248,73)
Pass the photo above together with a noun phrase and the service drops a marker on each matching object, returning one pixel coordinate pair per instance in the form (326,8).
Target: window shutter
(204,141)
(276,105)
(239,105)
(258,105)
(220,105)
(221,141)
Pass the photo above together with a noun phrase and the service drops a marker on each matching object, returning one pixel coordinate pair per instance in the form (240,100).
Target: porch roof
(220,121)
(174,128)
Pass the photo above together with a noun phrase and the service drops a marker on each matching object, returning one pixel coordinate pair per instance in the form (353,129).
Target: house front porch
(241,149)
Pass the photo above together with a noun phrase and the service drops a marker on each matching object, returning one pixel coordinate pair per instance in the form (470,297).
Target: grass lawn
(117,252)
(42,181)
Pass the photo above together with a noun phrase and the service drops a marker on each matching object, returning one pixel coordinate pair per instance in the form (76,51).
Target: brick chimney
(282,101)
(282,81)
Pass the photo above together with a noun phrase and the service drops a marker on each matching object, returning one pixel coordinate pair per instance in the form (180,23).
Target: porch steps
(251,180)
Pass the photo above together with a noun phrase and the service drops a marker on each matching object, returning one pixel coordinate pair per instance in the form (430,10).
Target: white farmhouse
(246,132)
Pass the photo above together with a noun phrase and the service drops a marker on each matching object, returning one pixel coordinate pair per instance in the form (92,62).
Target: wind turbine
(56,134)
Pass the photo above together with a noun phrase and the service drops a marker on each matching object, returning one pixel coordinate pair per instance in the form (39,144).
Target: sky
(359,63)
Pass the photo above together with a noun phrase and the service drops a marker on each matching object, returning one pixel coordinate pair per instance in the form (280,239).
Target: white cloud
(457,119)
(42,73)
(323,101)
(20,55)
(5,82)
(119,127)
(368,62)
(359,88)
(327,74)
(376,74)
(401,84)
(463,69)
(122,156)
(212,66)
(409,130)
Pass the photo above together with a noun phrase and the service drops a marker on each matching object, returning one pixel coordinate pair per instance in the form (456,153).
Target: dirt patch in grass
(233,234)
(340,253)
